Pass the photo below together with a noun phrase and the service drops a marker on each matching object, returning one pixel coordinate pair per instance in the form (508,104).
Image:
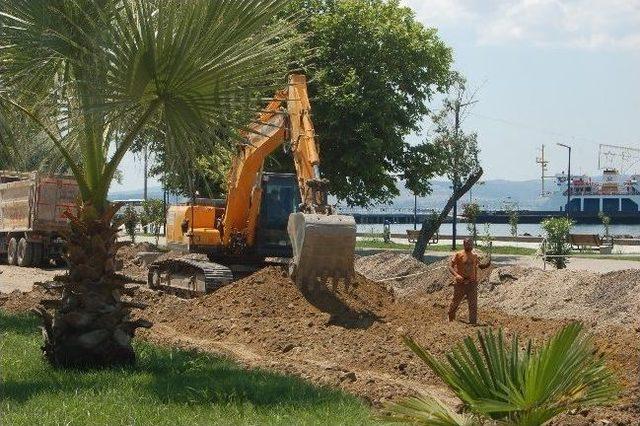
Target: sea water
(502,229)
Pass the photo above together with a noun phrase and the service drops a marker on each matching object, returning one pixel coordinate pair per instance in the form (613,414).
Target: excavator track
(188,277)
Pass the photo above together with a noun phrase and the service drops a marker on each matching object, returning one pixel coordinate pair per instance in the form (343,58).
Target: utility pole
(543,169)
(568,180)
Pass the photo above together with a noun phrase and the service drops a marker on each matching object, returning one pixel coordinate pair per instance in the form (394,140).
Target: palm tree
(507,384)
(94,74)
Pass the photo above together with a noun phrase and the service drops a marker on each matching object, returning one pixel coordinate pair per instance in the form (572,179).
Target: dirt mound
(336,336)
(407,276)
(604,300)
(128,261)
(18,302)
(350,338)
(135,266)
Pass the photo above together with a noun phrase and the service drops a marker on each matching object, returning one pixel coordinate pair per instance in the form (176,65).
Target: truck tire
(25,253)
(12,252)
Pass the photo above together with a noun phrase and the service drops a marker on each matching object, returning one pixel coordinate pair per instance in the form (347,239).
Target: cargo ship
(613,194)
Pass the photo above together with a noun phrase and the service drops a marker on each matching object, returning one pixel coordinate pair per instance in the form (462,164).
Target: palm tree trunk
(91,325)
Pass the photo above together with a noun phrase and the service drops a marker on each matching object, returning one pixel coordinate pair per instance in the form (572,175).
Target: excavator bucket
(323,247)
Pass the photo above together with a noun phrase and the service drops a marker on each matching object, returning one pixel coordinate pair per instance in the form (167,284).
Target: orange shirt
(466,265)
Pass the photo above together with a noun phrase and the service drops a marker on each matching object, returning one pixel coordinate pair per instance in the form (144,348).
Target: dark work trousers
(460,291)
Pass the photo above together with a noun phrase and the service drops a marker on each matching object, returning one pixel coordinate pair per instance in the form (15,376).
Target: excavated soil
(407,276)
(350,338)
(605,300)
(132,265)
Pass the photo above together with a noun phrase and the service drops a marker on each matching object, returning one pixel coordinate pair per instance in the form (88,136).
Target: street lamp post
(568,178)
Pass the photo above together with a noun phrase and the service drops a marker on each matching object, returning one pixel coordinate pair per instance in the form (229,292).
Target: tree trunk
(431,225)
(91,325)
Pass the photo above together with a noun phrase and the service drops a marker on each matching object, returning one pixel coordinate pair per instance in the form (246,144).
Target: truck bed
(31,202)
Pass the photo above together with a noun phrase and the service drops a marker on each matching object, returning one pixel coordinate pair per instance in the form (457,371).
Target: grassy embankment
(167,387)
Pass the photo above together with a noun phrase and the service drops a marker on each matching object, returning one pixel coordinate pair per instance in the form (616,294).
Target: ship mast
(544,163)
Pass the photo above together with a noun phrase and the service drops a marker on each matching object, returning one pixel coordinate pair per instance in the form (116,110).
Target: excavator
(266,217)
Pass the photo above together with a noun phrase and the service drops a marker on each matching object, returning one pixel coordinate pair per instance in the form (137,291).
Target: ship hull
(529,217)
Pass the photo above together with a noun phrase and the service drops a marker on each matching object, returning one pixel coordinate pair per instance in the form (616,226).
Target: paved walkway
(575,263)
(22,279)
(617,249)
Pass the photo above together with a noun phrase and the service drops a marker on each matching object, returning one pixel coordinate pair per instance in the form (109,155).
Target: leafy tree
(130,220)
(459,151)
(153,216)
(93,75)
(513,221)
(556,241)
(606,223)
(373,72)
(500,383)
(209,182)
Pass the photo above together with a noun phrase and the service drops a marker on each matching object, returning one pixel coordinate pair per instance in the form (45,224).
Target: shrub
(556,243)
(153,216)
(606,223)
(130,220)
(513,222)
(471,212)
(504,383)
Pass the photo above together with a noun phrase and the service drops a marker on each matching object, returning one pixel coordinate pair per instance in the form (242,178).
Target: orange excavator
(266,217)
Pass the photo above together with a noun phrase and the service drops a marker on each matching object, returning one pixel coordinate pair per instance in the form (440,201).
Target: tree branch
(430,227)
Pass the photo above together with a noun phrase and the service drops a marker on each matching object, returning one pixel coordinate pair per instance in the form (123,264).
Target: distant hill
(152,192)
(490,195)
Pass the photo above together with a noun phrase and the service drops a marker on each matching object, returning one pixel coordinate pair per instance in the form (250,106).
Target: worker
(464,268)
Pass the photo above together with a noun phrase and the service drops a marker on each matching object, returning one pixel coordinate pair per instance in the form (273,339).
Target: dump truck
(32,221)
(265,215)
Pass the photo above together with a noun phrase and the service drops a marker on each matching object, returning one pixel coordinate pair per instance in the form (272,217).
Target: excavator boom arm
(287,116)
(323,243)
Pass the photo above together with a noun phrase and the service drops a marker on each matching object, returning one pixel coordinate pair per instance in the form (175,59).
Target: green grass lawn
(167,387)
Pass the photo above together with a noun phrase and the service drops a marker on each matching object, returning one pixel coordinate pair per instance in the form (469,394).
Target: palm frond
(96,73)
(427,410)
(515,383)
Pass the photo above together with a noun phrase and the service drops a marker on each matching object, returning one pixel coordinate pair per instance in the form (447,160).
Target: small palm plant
(506,384)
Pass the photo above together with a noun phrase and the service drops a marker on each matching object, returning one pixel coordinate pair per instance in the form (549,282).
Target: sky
(546,71)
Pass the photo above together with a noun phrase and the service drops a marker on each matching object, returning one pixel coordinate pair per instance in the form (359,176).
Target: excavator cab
(280,198)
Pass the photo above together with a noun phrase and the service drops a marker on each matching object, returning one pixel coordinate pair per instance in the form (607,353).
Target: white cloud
(583,24)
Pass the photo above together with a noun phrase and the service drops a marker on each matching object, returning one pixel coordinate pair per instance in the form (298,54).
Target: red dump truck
(32,221)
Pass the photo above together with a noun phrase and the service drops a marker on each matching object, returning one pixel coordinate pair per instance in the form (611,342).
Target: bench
(413,234)
(582,242)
